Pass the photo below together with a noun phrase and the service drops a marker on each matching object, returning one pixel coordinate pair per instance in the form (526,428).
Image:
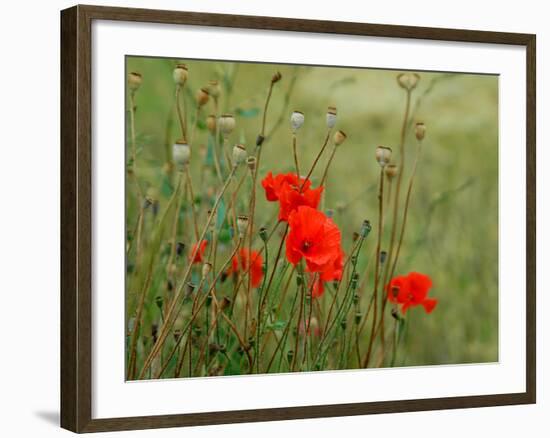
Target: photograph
(286,218)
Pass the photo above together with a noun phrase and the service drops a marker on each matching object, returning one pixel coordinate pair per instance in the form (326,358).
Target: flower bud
(339,137)
(259,140)
(206,268)
(276,77)
(358,317)
(290,355)
(408,81)
(251,163)
(202,97)
(180,74)
(227,124)
(383,257)
(214,88)
(239,154)
(242,224)
(181,152)
(420,131)
(391,171)
(331,117)
(134,80)
(296,120)
(211,123)
(263,233)
(383,155)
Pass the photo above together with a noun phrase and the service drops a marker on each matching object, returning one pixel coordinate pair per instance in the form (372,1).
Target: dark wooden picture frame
(76,218)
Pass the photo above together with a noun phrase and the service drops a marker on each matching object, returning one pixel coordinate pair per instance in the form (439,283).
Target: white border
(112,397)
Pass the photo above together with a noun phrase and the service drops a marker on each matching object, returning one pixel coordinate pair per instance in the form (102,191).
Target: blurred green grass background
(452,230)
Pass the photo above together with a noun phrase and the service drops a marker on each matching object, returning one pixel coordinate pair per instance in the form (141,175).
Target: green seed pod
(263,233)
(365,228)
(159,301)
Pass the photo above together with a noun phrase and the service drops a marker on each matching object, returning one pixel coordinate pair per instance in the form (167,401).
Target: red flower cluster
(242,262)
(197,252)
(317,239)
(411,290)
(291,192)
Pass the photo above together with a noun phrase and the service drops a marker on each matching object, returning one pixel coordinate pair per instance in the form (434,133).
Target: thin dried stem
(377,266)
(169,314)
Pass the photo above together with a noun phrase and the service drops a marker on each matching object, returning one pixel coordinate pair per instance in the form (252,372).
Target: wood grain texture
(76,221)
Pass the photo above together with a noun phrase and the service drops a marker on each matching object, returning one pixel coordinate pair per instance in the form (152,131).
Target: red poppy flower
(291,192)
(411,290)
(242,263)
(197,252)
(316,238)
(333,271)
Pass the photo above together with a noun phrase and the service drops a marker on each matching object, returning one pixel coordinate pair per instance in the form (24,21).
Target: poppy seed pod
(331,117)
(251,163)
(276,77)
(202,97)
(408,81)
(339,137)
(180,74)
(296,120)
(211,123)
(391,171)
(214,88)
(239,154)
(242,224)
(420,131)
(134,80)
(383,155)
(190,288)
(227,124)
(181,153)
(206,268)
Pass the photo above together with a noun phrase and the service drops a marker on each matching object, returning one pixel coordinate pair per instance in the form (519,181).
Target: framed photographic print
(268,218)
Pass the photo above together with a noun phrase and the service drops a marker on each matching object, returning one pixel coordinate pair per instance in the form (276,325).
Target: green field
(452,228)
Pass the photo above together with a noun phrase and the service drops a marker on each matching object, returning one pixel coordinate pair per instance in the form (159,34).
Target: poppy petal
(429,304)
